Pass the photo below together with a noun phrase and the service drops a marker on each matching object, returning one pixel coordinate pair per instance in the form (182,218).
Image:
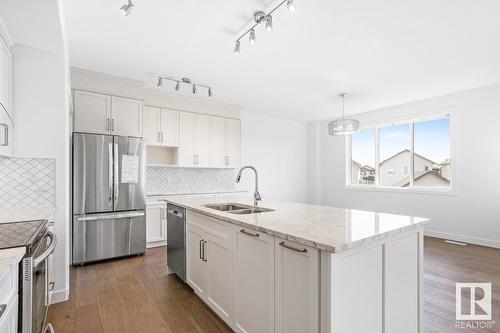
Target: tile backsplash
(27,182)
(162,180)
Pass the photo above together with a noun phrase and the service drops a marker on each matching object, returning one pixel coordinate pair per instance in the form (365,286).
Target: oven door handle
(48,251)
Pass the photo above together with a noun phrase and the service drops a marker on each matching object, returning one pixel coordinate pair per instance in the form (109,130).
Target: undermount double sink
(235,208)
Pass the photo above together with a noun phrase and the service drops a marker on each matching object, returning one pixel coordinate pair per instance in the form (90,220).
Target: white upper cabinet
(296,282)
(161,126)
(5,77)
(203,140)
(151,125)
(126,116)
(92,112)
(233,143)
(254,266)
(186,152)
(104,114)
(5,133)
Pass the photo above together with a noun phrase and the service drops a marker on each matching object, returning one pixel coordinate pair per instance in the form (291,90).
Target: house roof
(406,151)
(419,174)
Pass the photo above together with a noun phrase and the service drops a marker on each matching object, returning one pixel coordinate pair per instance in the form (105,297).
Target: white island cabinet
(304,268)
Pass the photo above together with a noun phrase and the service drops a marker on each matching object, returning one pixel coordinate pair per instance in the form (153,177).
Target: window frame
(411,188)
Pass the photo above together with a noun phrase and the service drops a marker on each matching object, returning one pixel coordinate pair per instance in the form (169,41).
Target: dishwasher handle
(175,212)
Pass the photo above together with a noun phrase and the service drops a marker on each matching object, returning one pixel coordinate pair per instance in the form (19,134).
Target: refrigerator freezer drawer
(105,236)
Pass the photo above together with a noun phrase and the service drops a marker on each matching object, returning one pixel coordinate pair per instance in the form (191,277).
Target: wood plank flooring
(136,295)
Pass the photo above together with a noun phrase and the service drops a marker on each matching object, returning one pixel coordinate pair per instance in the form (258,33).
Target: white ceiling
(383,52)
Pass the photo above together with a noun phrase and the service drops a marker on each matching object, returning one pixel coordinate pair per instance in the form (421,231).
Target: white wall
(472,212)
(40,104)
(278,149)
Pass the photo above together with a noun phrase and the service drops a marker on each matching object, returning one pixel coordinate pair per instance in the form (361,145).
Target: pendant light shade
(343,126)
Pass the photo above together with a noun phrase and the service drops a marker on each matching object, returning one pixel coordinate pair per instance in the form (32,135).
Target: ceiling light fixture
(343,126)
(127,8)
(261,17)
(184,80)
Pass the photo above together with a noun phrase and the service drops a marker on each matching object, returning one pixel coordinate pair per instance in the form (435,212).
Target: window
(423,162)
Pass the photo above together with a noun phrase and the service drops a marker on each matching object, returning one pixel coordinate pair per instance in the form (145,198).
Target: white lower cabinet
(254,286)
(156,224)
(8,321)
(297,287)
(209,265)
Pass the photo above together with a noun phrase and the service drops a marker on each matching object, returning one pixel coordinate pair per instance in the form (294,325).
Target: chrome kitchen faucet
(256,195)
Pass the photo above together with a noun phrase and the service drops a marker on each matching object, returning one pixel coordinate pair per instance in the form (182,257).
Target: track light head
(178,86)
(210,92)
(291,5)
(237,47)
(160,83)
(269,23)
(194,89)
(252,37)
(127,8)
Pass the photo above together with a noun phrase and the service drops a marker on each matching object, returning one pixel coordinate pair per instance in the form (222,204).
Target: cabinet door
(155,231)
(92,112)
(186,152)
(233,143)
(297,282)
(219,288)
(195,265)
(219,156)
(8,320)
(169,128)
(150,122)
(126,116)
(254,266)
(5,77)
(5,133)
(203,140)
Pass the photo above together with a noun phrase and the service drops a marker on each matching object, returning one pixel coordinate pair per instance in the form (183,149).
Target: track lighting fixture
(269,23)
(237,47)
(261,17)
(127,8)
(184,80)
(252,36)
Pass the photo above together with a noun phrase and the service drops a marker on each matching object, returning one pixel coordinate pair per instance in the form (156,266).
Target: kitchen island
(305,268)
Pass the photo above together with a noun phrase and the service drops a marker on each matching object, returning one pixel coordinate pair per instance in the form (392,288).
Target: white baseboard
(156,244)
(463,238)
(60,296)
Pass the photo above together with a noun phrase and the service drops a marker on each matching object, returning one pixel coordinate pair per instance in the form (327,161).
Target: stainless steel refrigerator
(109,218)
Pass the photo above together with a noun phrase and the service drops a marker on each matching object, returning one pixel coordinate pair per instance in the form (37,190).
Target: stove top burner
(17,234)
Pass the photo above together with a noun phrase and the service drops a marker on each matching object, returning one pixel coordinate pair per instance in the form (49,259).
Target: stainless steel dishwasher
(176,240)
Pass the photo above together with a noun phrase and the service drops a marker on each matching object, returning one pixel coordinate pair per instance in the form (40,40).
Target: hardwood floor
(136,295)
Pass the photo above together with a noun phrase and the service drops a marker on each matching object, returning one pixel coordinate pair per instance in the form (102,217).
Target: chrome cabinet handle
(107,124)
(194,156)
(204,258)
(3,307)
(116,161)
(201,254)
(243,231)
(112,124)
(282,244)
(48,251)
(6,137)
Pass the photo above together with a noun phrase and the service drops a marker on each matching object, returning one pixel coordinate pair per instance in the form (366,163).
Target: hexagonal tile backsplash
(27,182)
(163,180)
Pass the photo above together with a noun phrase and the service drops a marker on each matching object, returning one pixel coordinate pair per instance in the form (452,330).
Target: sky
(431,141)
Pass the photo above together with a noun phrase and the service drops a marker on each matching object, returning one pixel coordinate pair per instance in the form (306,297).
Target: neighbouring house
(394,171)
(445,169)
(362,174)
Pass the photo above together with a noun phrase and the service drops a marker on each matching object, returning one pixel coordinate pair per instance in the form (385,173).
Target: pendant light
(343,126)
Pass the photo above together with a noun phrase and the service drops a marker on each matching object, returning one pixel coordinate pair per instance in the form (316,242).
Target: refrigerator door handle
(110,172)
(116,176)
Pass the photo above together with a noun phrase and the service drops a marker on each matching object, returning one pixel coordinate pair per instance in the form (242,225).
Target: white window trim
(449,191)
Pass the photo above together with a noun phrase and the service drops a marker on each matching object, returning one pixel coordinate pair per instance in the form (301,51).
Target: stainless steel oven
(36,286)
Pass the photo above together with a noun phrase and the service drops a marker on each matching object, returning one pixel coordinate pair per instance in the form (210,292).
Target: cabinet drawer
(8,284)
(217,228)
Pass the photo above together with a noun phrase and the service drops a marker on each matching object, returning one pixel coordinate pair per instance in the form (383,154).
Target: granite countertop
(326,228)
(9,257)
(26,214)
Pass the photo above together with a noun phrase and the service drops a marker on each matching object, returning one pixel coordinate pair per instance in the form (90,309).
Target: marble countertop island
(326,228)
